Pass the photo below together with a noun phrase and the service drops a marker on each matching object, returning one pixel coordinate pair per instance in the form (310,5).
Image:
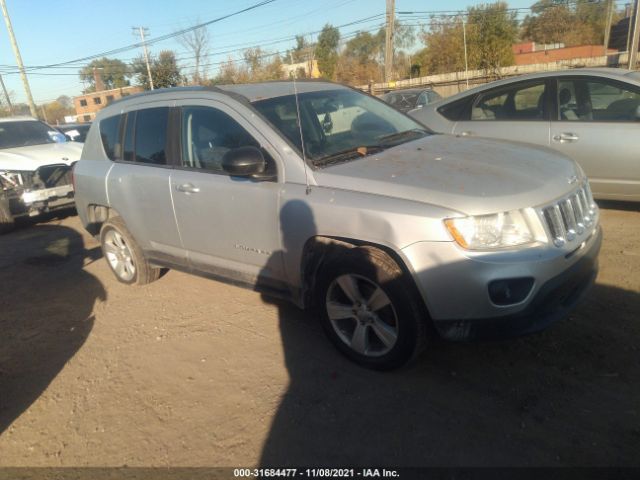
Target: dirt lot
(191,372)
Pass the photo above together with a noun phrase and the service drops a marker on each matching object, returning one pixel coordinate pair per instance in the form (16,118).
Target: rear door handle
(566,137)
(467,133)
(187,188)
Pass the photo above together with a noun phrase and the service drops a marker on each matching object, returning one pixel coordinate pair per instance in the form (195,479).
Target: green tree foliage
(55,112)
(164,70)
(256,68)
(114,72)
(327,51)
(300,52)
(580,22)
(491,31)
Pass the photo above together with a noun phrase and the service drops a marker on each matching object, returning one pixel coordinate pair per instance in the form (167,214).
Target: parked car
(75,132)
(35,169)
(410,98)
(388,229)
(591,115)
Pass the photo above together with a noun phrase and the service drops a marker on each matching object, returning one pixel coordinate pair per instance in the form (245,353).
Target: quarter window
(109,133)
(588,99)
(519,102)
(207,134)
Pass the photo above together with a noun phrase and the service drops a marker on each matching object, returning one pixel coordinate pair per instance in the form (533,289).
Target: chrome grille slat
(567,219)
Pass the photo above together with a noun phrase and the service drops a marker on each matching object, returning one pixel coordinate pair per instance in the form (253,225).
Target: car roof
(614,73)
(249,91)
(19,118)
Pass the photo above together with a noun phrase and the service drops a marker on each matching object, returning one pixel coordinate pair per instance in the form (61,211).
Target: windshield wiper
(415,132)
(348,154)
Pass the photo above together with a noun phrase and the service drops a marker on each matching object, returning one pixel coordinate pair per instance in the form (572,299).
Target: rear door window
(599,100)
(151,135)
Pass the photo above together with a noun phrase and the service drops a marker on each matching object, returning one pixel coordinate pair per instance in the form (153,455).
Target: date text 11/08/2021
(315,472)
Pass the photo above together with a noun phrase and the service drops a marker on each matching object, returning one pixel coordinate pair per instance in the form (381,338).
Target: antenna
(304,154)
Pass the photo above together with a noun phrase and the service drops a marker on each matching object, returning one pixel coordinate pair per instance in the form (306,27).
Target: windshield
(339,125)
(25,133)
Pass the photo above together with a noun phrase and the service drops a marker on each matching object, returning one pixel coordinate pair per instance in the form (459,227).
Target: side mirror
(244,162)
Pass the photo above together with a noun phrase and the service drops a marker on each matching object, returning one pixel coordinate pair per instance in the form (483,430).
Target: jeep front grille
(568,218)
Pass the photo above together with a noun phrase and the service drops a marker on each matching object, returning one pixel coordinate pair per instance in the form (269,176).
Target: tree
(55,112)
(197,41)
(365,48)
(582,22)
(327,50)
(299,53)
(444,51)
(493,30)
(65,101)
(164,70)
(114,73)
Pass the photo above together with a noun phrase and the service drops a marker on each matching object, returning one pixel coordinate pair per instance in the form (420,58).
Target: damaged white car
(35,169)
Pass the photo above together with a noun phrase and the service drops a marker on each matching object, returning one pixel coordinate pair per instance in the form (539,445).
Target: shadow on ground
(46,316)
(566,396)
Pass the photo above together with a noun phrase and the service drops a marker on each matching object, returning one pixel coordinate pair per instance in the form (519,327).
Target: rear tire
(124,256)
(370,309)
(7,223)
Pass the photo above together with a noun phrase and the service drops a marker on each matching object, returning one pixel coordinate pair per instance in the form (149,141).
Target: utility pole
(16,51)
(6,95)
(466,61)
(388,44)
(607,31)
(635,39)
(142,31)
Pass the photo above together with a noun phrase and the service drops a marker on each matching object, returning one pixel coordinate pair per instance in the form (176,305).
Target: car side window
(151,135)
(516,102)
(209,133)
(110,136)
(423,99)
(596,100)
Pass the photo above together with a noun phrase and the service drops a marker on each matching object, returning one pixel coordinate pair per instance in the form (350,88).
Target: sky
(54,32)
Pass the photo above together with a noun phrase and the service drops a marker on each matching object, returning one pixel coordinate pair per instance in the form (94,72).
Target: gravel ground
(192,372)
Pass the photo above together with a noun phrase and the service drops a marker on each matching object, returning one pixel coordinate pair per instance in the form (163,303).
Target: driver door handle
(187,188)
(566,137)
(467,133)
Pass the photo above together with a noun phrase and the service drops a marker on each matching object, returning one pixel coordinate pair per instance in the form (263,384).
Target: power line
(157,39)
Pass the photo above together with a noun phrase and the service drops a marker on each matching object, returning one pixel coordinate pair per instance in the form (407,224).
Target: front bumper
(35,202)
(455,290)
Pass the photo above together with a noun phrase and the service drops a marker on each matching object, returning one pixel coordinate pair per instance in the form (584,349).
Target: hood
(33,157)
(471,176)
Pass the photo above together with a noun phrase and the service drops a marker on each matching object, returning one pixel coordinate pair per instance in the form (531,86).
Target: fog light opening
(510,291)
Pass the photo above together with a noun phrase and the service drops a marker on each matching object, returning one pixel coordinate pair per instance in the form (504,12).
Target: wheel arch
(321,248)
(96,215)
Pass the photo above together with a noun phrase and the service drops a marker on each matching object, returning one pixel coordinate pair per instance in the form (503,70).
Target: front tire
(370,309)
(124,256)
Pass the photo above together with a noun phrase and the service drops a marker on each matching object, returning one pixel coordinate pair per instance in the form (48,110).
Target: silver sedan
(591,115)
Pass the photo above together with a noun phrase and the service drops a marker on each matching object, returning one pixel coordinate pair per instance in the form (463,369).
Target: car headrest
(565,96)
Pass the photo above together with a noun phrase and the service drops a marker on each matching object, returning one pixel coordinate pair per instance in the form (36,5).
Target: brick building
(88,105)
(91,103)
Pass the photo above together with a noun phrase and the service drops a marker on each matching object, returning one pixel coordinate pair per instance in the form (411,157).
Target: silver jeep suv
(328,197)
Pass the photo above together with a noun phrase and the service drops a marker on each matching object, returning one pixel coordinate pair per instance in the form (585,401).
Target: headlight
(501,230)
